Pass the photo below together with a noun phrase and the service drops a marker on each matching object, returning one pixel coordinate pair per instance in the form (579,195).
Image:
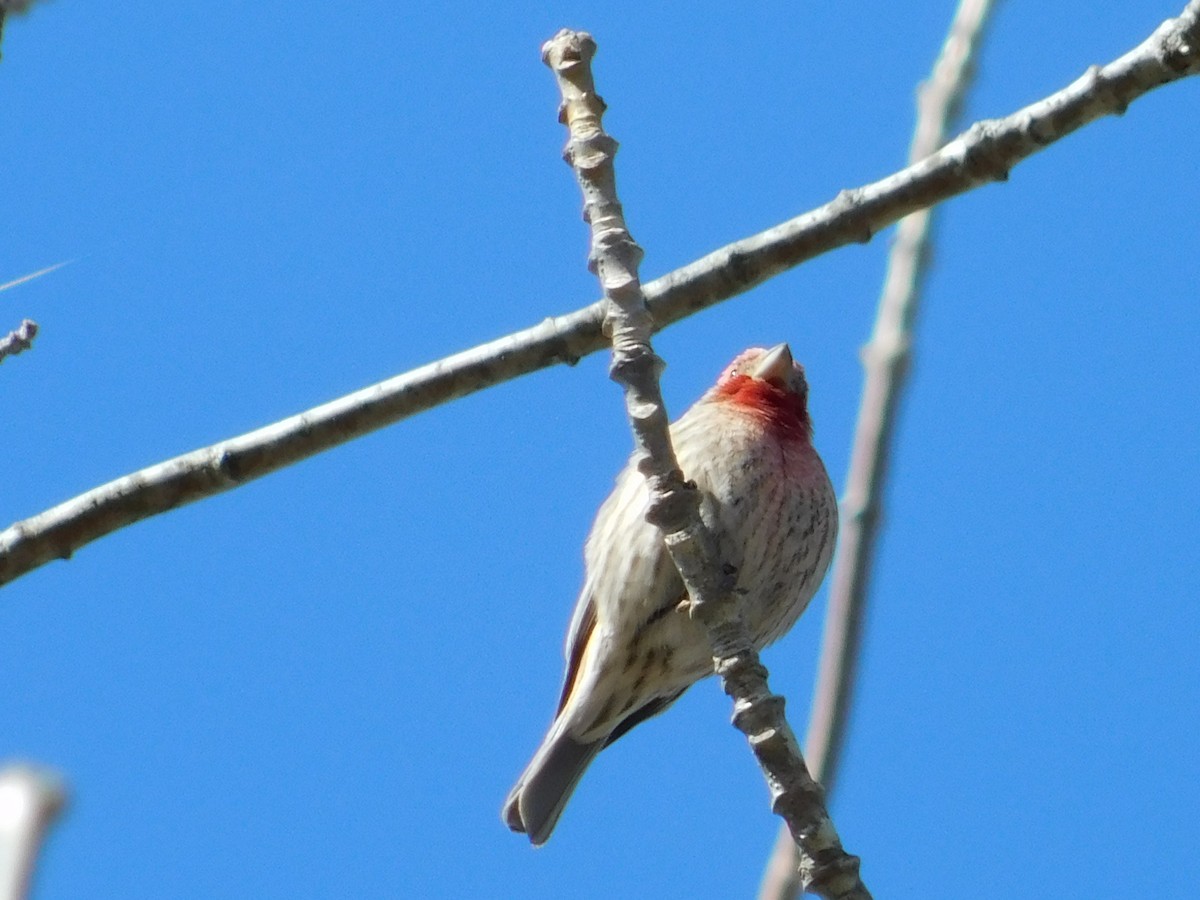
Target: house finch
(632,649)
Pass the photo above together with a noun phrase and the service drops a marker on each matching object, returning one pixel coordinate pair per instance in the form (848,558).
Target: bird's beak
(776,363)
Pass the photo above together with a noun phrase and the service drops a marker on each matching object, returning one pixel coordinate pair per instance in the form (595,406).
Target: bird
(631,648)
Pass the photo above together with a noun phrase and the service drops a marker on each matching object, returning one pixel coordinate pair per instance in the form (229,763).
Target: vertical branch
(886,360)
(30,801)
(674,503)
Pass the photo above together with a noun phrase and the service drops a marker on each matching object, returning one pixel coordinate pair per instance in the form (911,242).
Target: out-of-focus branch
(982,154)
(674,503)
(19,339)
(12,6)
(31,798)
(886,360)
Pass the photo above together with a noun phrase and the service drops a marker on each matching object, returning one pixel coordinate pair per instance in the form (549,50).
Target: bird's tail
(537,800)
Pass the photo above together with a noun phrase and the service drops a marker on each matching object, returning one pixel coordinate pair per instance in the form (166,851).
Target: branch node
(848,204)
(674,504)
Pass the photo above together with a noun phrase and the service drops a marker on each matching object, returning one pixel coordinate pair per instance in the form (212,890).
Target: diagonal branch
(675,503)
(886,360)
(19,339)
(982,154)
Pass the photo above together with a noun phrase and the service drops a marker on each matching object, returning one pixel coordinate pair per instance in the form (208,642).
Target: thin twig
(674,503)
(31,798)
(886,360)
(19,339)
(982,154)
(25,279)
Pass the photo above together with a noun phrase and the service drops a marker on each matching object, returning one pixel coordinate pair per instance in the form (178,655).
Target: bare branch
(984,153)
(674,503)
(12,6)
(886,360)
(31,798)
(19,339)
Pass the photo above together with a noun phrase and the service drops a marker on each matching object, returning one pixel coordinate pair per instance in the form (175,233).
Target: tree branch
(12,6)
(675,503)
(19,339)
(886,360)
(983,153)
(30,800)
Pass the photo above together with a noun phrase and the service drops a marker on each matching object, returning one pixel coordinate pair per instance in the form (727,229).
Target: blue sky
(323,684)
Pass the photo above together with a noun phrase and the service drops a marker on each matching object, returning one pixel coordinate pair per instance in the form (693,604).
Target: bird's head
(770,385)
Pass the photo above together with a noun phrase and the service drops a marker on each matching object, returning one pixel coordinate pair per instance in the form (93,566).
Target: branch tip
(19,339)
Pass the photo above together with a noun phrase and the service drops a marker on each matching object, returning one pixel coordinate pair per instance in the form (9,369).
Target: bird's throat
(779,409)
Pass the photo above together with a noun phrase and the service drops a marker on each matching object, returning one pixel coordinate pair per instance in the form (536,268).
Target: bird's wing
(614,510)
(653,708)
(583,622)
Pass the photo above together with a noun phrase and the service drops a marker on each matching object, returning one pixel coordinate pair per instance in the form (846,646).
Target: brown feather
(586,625)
